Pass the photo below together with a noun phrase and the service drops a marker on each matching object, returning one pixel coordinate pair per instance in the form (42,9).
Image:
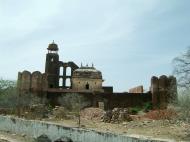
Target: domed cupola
(52,47)
(87,72)
(87,78)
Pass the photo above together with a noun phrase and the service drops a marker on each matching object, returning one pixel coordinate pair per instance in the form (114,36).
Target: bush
(147,107)
(135,110)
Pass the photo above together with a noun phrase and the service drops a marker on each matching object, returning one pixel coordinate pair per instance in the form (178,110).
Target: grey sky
(128,40)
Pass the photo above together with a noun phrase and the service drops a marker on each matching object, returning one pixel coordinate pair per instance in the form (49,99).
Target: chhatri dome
(53,47)
(87,72)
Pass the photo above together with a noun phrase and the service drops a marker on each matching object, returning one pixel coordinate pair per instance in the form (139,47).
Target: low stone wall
(35,128)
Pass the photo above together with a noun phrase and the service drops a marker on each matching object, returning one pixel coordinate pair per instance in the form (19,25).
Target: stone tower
(52,66)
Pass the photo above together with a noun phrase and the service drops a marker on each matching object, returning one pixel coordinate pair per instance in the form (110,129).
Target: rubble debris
(92,113)
(116,115)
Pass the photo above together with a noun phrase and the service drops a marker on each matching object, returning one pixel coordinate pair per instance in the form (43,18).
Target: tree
(8,93)
(182,69)
(6,85)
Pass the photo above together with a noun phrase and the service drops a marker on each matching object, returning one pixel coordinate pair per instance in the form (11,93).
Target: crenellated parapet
(31,82)
(163,90)
(36,81)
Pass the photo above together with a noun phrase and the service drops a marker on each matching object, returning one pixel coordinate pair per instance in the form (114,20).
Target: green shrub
(147,106)
(135,110)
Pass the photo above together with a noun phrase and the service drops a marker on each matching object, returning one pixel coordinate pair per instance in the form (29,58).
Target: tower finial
(53,41)
(92,65)
(81,64)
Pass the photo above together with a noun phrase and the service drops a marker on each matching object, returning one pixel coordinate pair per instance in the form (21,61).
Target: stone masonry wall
(163,90)
(35,128)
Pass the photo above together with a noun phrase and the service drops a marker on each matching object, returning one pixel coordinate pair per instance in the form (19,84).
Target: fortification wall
(125,99)
(163,90)
(30,82)
(25,81)
(36,81)
(138,89)
(110,100)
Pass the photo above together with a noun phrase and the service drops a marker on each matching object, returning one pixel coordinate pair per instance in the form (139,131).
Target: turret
(52,66)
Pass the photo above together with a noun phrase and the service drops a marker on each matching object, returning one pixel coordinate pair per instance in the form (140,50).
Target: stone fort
(61,78)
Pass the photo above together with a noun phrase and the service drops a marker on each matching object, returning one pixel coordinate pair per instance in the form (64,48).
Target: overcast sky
(128,40)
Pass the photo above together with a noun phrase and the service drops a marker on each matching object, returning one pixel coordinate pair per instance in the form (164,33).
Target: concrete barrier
(34,128)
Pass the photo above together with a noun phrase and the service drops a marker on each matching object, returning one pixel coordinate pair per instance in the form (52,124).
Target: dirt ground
(142,124)
(154,124)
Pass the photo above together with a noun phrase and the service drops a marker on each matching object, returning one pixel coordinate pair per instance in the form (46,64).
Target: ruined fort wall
(129,99)
(30,82)
(25,81)
(155,91)
(138,89)
(110,100)
(36,81)
(163,90)
(44,82)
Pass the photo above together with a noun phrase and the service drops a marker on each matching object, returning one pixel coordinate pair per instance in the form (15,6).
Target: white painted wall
(35,128)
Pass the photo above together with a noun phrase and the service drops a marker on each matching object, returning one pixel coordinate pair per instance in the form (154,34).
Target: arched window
(68,73)
(68,82)
(61,70)
(60,82)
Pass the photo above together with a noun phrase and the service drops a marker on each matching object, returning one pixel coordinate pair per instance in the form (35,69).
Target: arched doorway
(87,86)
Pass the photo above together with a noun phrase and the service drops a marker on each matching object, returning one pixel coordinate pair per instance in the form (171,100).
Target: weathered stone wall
(36,81)
(75,100)
(30,82)
(138,89)
(128,99)
(34,128)
(163,90)
(25,81)
(155,91)
(80,84)
(163,82)
(110,100)
(19,81)
(44,82)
